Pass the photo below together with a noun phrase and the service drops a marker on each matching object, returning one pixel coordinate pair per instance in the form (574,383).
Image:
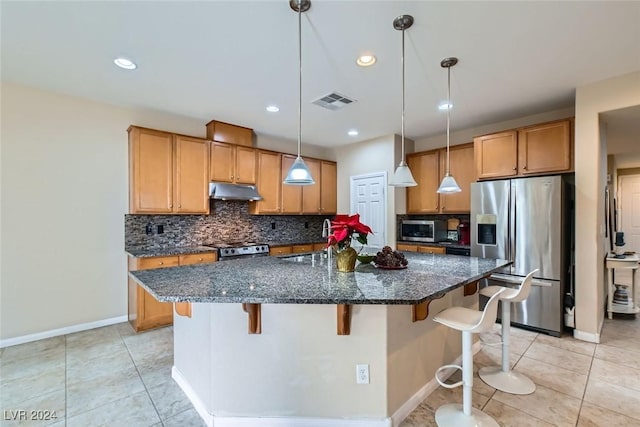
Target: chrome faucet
(326,230)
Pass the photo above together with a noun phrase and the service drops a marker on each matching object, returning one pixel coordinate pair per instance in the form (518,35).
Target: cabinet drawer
(319,246)
(432,249)
(153,262)
(408,248)
(297,249)
(280,250)
(198,258)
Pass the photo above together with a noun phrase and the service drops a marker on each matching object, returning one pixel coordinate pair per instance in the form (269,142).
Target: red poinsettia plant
(344,228)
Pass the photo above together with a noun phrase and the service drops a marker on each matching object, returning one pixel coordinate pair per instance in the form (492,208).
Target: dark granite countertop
(307,280)
(182,250)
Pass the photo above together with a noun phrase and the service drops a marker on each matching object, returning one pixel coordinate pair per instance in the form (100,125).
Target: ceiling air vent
(333,101)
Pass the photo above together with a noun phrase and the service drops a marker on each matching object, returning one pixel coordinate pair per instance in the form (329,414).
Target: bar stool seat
(467,321)
(502,377)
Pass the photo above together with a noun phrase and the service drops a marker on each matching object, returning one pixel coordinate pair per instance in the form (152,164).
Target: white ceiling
(227,60)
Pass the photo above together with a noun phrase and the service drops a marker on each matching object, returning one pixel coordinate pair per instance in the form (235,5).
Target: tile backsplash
(229,221)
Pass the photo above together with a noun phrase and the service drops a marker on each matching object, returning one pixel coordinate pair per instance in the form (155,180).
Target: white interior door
(629,219)
(368,198)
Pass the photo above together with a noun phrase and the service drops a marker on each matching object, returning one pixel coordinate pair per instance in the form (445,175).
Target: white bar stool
(469,322)
(503,378)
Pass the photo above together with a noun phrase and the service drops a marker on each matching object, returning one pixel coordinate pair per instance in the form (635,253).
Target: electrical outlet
(306,225)
(148,229)
(160,229)
(273,225)
(362,374)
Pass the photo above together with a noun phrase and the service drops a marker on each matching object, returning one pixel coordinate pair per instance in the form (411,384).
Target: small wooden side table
(629,261)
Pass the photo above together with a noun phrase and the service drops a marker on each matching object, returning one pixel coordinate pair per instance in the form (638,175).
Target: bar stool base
(509,382)
(451,415)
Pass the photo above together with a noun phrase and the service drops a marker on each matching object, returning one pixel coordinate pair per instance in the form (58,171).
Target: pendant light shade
(448,184)
(299,173)
(403,177)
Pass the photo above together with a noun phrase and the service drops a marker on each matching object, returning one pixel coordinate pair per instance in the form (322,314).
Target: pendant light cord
(402,158)
(299,75)
(448,113)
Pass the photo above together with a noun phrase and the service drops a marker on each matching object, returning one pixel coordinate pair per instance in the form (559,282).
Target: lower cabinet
(419,248)
(296,249)
(146,312)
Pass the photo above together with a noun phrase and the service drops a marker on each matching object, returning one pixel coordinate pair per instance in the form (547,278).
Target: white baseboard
(213,421)
(62,331)
(587,336)
(415,400)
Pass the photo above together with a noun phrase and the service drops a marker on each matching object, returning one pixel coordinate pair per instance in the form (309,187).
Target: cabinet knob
(525,166)
(171,205)
(231,176)
(180,205)
(161,262)
(199,259)
(515,168)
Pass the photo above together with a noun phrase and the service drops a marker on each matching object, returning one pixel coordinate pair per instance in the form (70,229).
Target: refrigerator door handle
(512,224)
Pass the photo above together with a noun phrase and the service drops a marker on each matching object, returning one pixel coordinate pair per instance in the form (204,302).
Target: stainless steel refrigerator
(528,221)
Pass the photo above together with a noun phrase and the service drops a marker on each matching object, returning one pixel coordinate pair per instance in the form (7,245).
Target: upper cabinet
(232,163)
(463,170)
(328,187)
(428,169)
(423,198)
(268,182)
(232,134)
(533,150)
(167,173)
(291,194)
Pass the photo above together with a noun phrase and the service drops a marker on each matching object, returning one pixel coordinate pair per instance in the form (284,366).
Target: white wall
(375,155)
(591,100)
(268,142)
(466,135)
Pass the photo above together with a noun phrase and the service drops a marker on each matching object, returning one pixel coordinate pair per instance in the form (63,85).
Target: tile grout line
(146,389)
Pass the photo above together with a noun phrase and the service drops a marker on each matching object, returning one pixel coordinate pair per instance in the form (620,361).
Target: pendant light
(448,184)
(403,177)
(299,173)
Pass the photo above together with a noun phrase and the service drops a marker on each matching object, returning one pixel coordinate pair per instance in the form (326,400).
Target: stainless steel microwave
(423,230)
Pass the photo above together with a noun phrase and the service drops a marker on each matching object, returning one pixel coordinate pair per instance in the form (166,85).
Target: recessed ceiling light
(352,132)
(273,108)
(444,106)
(125,63)
(366,60)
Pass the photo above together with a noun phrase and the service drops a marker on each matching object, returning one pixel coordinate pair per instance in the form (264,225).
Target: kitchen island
(298,371)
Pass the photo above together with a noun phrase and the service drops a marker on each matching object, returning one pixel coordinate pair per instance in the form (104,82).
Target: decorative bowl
(366,258)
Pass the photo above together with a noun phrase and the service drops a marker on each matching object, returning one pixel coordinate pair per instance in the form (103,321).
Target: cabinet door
(545,148)
(424,197)
(328,188)
(226,132)
(496,155)
(268,183)
(245,172)
(291,194)
(431,249)
(222,161)
(406,248)
(203,258)
(311,193)
(299,249)
(280,250)
(151,312)
(150,171)
(191,183)
(463,170)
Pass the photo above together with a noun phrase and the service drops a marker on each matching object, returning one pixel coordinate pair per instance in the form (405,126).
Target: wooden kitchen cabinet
(232,163)
(167,173)
(146,312)
(533,150)
(311,194)
(280,250)
(291,202)
(232,134)
(545,148)
(423,198)
(407,248)
(268,183)
(432,249)
(328,187)
(299,249)
(319,247)
(463,170)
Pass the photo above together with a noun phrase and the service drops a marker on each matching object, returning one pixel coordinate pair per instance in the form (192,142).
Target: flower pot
(346,260)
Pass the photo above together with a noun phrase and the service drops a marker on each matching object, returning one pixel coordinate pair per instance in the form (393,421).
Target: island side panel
(417,349)
(298,366)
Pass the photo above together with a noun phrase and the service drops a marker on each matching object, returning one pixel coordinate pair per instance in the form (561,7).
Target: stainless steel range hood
(226,191)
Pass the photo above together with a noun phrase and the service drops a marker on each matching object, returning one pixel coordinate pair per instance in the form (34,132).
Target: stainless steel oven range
(237,250)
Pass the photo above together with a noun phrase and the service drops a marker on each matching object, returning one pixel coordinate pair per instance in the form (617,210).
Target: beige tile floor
(578,383)
(113,377)
(108,376)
